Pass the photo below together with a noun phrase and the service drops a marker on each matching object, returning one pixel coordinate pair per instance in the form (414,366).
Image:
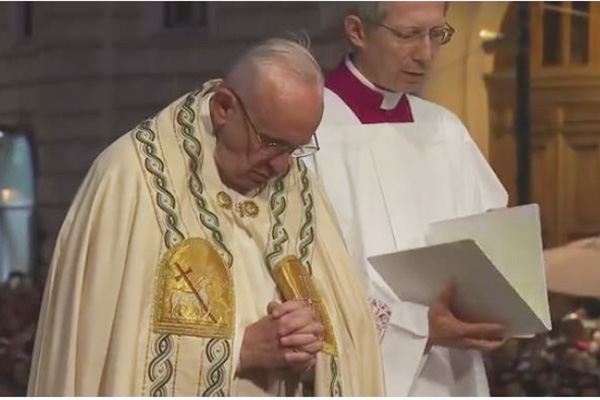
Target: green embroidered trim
(186,123)
(156,167)
(335,387)
(160,369)
(306,238)
(279,235)
(218,352)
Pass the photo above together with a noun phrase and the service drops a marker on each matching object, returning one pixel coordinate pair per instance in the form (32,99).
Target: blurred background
(523,77)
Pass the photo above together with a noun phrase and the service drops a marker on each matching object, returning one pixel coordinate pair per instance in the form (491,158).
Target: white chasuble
(159,268)
(387,182)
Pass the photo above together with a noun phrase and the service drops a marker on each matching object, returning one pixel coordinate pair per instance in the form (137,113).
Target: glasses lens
(448,32)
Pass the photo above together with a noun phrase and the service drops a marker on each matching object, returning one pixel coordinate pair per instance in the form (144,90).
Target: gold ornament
(194,293)
(250,209)
(224,200)
(295,283)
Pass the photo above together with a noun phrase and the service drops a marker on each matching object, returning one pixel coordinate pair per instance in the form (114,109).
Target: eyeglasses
(277,146)
(440,35)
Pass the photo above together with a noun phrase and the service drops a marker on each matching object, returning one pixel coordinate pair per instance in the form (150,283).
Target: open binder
(494,258)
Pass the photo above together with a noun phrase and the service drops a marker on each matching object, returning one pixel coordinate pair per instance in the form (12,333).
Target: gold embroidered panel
(194,295)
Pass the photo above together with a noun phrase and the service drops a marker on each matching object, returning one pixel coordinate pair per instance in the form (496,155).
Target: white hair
(287,55)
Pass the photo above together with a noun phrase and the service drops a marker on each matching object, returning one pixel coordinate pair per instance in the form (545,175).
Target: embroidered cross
(183,274)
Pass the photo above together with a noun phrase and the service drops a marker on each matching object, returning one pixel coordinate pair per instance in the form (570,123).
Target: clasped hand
(289,336)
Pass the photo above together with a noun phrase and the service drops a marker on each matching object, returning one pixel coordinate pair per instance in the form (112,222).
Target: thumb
(447,294)
(271,307)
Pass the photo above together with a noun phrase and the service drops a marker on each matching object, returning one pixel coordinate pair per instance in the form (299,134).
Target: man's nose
(424,51)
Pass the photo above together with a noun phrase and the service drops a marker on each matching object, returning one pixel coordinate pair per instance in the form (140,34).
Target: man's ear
(222,106)
(355,30)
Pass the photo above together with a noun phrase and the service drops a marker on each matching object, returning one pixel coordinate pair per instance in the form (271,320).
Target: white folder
(494,258)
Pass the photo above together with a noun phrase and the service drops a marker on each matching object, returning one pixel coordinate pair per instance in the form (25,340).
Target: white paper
(495,259)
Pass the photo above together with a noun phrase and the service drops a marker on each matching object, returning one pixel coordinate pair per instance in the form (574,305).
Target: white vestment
(159,268)
(387,182)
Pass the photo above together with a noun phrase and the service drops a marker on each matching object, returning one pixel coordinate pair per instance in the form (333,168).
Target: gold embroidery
(295,283)
(251,209)
(247,209)
(224,200)
(194,295)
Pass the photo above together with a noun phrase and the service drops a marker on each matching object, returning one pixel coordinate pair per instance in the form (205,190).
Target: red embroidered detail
(381,313)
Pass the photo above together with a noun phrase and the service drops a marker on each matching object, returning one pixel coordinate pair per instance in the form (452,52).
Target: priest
(393,163)
(199,257)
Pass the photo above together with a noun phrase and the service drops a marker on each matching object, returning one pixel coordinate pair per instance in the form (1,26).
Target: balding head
(286,58)
(270,103)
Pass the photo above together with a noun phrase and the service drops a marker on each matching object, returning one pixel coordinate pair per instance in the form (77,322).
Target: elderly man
(199,257)
(391,164)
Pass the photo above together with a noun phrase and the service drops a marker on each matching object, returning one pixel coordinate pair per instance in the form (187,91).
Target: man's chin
(406,86)
(413,87)
(250,186)
(409,83)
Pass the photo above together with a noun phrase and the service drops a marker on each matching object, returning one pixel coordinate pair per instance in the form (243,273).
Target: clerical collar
(369,103)
(390,99)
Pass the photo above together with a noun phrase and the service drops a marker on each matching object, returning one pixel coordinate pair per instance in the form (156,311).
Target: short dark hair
(369,11)
(372,13)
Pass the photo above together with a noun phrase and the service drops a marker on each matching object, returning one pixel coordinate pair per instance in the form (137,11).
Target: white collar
(390,99)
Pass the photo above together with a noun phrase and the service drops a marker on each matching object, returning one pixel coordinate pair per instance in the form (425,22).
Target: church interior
(524,77)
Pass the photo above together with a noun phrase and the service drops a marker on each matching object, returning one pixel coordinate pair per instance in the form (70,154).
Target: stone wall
(91,71)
